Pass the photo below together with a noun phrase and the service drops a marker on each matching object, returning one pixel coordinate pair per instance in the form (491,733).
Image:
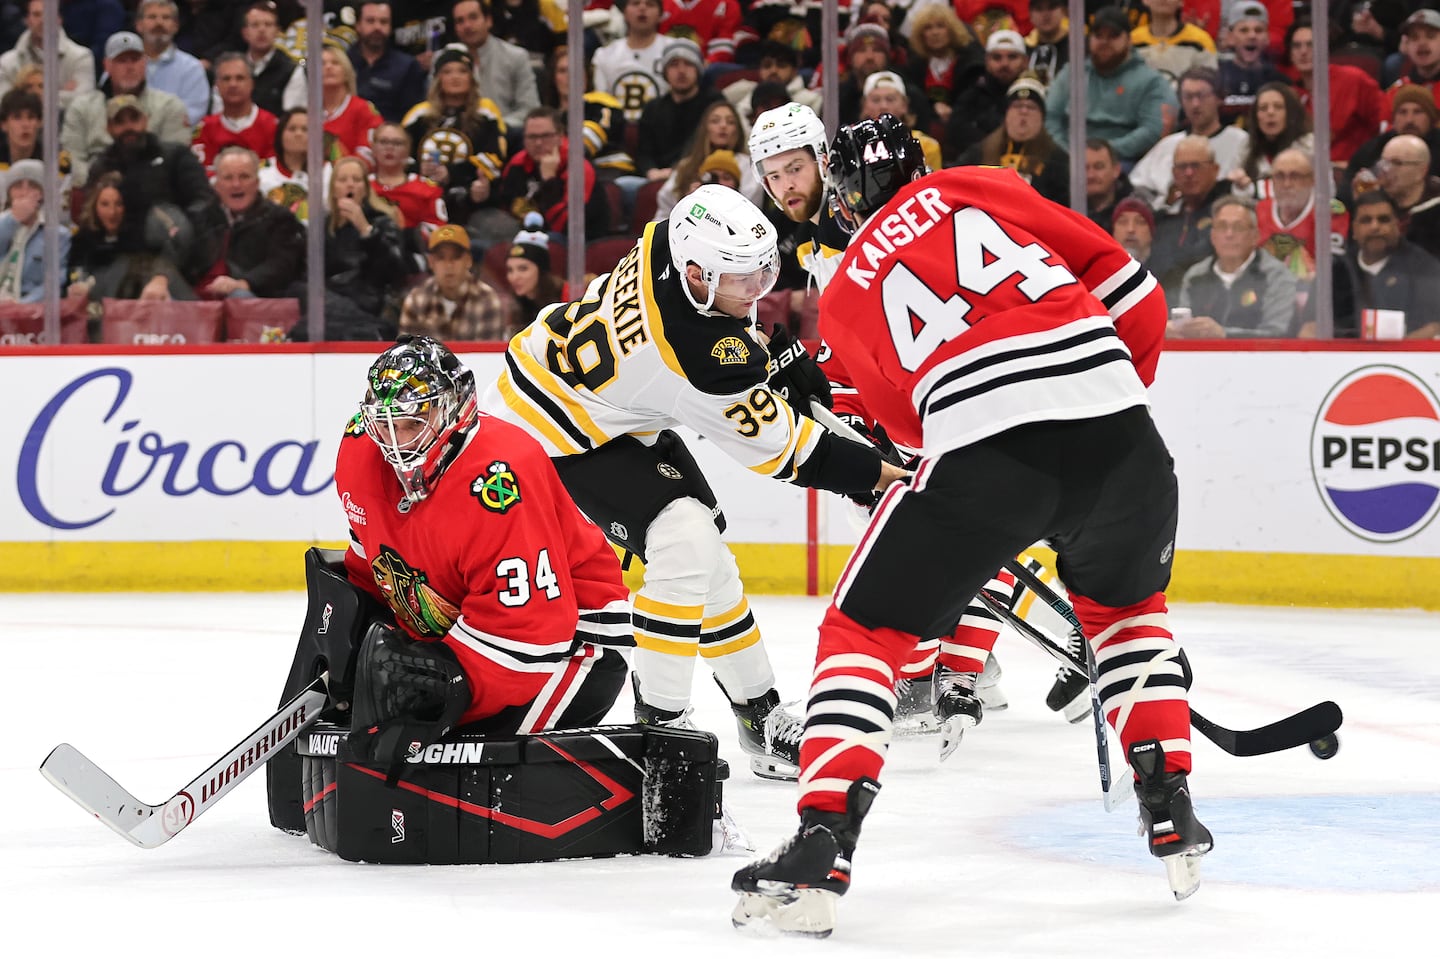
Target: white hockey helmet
(726,235)
(793,126)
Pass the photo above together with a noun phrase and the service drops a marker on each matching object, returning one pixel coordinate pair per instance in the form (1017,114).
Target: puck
(1326,746)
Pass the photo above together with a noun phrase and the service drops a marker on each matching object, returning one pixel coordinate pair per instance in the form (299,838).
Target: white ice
(1004,850)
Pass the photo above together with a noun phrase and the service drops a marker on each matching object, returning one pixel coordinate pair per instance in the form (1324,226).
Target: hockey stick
(1114,792)
(149,826)
(1300,729)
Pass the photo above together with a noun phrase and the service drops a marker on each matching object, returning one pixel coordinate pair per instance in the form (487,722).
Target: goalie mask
(419,409)
(730,240)
(869,163)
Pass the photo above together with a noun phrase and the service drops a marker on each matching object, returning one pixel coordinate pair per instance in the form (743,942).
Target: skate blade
(728,835)
(776,770)
(952,731)
(804,912)
(1182,871)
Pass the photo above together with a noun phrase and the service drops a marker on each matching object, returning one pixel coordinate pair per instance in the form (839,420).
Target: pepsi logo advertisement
(1375,453)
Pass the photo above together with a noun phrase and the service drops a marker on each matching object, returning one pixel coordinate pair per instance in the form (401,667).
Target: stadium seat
(615,198)
(773,307)
(734,76)
(645,206)
(161,323)
(258,320)
(602,255)
(23,324)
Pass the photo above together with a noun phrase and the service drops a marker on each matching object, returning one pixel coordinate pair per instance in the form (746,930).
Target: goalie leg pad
(568,794)
(337,617)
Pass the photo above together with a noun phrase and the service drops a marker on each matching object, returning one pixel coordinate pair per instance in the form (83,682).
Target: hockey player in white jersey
(667,339)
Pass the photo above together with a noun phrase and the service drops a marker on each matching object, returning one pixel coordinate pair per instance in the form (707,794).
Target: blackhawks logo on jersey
(417,605)
(731,351)
(497,489)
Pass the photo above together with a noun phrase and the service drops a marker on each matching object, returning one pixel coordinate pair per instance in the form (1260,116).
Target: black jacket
(665,128)
(365,270)
(264,247)
(1410,281)
(979,111)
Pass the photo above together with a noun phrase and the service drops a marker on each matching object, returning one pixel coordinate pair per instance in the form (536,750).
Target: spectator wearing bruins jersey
(604,123)
(630,68)
(458,135)
(667,340)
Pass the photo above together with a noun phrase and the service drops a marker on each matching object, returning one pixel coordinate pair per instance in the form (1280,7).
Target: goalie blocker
(566,794)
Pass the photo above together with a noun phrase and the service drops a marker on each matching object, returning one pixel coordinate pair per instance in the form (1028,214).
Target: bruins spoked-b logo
(731,351)
(497,489)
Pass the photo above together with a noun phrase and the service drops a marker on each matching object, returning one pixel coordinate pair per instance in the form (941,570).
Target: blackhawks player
(666,340)
(1012,340)
(787,145)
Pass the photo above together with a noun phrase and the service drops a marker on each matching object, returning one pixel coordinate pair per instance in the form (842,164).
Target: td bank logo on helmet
(1375,453)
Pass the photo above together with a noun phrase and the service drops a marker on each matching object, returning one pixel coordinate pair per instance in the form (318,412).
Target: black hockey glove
(406,692)
(794,374)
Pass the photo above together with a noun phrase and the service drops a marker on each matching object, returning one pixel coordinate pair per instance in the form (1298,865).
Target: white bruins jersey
(631,76)
(636,357)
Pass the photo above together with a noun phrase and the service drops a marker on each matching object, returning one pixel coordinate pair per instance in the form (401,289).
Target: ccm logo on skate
(1375,453)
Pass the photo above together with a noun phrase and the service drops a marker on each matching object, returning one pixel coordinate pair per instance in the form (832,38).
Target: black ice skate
(770,735)
(1167,818)
(1070,695)
(915,706)
(957,706)
(647,715)
(793,891)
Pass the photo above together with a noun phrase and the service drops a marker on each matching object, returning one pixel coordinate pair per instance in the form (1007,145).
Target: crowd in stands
(183,156)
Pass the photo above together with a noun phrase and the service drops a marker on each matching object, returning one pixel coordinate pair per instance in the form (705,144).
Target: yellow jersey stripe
(520,403)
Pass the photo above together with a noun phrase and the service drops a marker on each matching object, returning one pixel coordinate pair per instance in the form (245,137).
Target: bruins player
(667,339)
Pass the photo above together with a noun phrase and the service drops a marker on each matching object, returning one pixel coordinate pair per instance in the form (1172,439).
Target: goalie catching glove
(794,374)
(406,692)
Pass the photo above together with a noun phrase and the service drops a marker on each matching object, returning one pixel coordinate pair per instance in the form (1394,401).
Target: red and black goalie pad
(568,794)
(338,616)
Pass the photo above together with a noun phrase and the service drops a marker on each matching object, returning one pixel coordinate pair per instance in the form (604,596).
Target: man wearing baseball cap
(85,132)
(1128,101)
(452,304)
(886,92)
(1421,31)
(1021,143)
(668,121)
(980,108)
(1248,67)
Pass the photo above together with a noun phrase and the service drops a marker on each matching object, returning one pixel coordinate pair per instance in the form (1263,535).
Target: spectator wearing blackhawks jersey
(495,578)
(283,178)
(240,121)
(629,68)
(419,200)
(1009,460)
(351,118)
(711,23)
(666,340)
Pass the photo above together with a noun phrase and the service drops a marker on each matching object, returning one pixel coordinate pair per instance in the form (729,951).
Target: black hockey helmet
(869,162)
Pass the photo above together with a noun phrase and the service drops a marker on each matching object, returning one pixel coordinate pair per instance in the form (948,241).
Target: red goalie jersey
(969,305)
(497,563)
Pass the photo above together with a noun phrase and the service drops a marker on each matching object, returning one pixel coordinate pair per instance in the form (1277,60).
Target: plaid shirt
(479,313)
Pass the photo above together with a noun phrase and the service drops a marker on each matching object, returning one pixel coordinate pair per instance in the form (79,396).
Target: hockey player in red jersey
(510,601)
(971,329)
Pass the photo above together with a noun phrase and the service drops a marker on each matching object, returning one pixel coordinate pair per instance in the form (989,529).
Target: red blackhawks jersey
(497,563)
(419,200)
(353,123)
(255,131)
(969,305)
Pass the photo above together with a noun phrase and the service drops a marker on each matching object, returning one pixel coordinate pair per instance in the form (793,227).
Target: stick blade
(93,790)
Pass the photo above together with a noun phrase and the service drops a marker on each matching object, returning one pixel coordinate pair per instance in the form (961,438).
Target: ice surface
(1003,851)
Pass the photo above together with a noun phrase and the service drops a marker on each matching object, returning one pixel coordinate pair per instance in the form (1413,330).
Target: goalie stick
(1298,729)
(147,826)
